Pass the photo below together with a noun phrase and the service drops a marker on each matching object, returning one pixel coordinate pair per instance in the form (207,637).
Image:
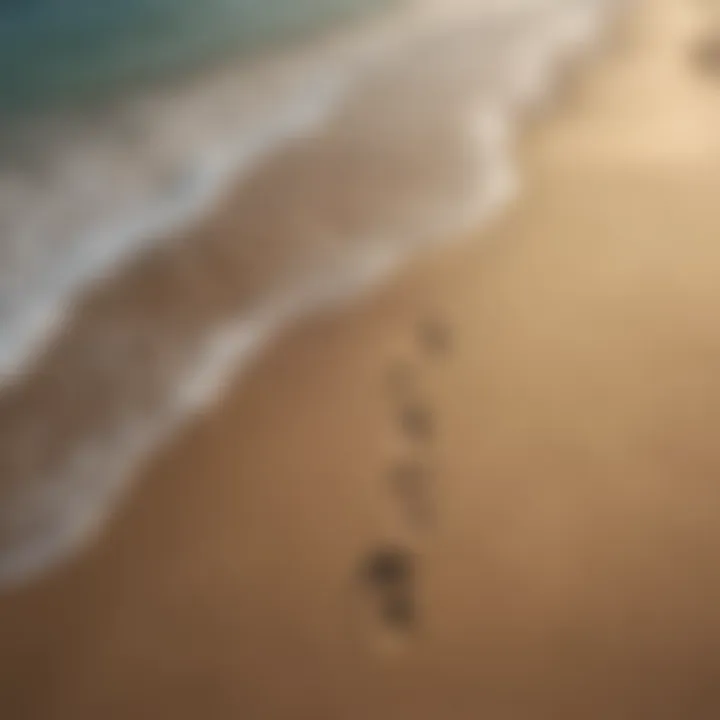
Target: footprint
(411,482)
(434,336)
(417,421)
(388,573)
(399,612)
(388,566)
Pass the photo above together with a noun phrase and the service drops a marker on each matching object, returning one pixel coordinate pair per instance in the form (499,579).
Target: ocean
(62,53)
(180,180)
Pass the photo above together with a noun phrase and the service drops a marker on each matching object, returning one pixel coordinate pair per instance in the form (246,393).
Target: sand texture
(489,491)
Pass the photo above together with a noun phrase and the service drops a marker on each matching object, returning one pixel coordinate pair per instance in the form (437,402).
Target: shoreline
(323,219)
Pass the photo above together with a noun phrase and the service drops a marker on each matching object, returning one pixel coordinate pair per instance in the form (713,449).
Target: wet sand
(487,491)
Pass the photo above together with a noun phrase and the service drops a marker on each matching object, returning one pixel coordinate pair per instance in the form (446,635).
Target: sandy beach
(485,491)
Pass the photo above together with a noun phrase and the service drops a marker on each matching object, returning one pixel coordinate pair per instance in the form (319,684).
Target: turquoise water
(59,52)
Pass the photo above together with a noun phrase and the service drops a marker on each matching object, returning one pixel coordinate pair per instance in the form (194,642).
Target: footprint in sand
(388,575)
(417,421)
(416,416)
(411,480)
(434,339)
(434,336)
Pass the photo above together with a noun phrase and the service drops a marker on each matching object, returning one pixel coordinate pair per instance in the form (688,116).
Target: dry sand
(559,379)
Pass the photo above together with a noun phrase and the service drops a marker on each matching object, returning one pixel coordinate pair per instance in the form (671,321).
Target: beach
(547,383)
(255,196)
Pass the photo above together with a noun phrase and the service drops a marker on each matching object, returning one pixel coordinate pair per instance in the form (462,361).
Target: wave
(87,192)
